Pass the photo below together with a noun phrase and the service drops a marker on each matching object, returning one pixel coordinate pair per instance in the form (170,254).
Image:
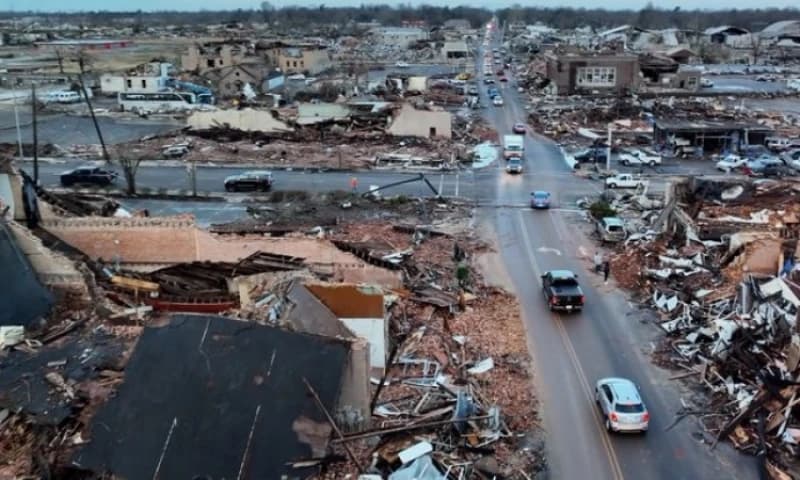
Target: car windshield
(514,161)
(614,228)
(540,195)
(630,408)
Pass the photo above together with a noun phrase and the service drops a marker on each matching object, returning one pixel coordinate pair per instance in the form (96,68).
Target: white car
(497,101)
(625,180)
(639,157)
(706,83)
(730,162)
(622,406)
(792,158)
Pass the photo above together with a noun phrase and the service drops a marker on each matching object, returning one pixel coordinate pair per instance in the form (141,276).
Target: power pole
(35,136)
(94,119)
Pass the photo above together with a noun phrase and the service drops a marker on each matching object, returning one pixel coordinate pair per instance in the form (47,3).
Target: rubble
(722,278)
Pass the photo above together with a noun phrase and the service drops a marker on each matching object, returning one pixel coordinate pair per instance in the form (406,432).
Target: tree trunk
(130,180)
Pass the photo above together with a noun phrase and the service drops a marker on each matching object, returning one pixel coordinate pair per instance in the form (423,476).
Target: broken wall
(52,269)
(353,411)
(410,122)
(247,120)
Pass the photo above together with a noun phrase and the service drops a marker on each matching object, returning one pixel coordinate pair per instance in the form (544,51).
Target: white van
(777,144)
(793,84)
(64,96)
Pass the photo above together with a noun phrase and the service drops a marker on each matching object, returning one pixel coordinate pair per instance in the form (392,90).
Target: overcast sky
(74,5)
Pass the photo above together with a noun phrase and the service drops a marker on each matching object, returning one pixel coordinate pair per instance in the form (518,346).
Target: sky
(78,5)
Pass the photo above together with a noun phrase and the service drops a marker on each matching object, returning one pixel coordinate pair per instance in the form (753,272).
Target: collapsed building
(718,263)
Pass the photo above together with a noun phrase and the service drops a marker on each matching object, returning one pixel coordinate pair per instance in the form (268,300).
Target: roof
(625,389)
(782,28)
(613,221)
(725,28)
(23,298)
(680,51)
(211,397)
(562,274)
(677,125)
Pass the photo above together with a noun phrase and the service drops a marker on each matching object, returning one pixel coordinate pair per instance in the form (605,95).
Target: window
(596,76)
(302,63)
(220,61)
(288,64)
(210,63)
(130,83)
(294,64)
(432,132)
(607,393)
(630,408)
(144,83)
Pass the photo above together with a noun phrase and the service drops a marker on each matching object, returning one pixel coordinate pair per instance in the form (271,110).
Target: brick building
(579,73)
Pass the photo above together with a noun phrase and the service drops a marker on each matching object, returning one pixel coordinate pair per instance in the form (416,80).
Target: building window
(237,74)
(432,132)
(294,63)
(596,77)
(288,63)
(302,63)
(210,63)
(130,83)
(144,83)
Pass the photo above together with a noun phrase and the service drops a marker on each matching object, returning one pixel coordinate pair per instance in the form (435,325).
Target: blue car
(540,199)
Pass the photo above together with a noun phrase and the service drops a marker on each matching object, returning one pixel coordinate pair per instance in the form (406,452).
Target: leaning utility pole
(94,119)
(35,136)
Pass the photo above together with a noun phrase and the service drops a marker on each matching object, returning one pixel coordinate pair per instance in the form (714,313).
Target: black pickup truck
(561,290)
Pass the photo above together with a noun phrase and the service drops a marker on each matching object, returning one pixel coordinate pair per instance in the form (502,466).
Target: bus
(144,102)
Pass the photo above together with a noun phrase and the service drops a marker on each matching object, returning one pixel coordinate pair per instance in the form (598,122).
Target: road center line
(616,470)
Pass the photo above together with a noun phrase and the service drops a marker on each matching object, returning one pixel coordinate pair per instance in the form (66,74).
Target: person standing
(598,262)
(606,270)
(354,184)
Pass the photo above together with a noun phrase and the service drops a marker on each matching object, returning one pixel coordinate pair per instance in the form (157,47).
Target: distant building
(727,35)
(455,50)
(152,77)
(457,24)
(574,73)
(80,44)
(400,36)
(311,59)
(229,81)
(201,58)
(410,122)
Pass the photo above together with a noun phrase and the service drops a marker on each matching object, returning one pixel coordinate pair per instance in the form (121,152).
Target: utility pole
(608,150)
(19,133)
(193,177)
(94,118)
(35,136)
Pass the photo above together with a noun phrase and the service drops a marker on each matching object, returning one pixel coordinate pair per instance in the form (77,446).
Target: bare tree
(84,60)
(129,162)
(60,58)
(756,46)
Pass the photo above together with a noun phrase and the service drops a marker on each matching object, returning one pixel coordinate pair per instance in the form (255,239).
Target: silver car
(622,407)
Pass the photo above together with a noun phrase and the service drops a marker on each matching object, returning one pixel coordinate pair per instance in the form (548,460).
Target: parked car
(504,79)
(624,180)
(514,165)
(610,229)
(88,175)
(488,81)
(792,158)
(540,199)
(730,162)
(768,159)
(497,101)
(706,83)
(777,144)
(174,151)
(592,154)
(640,157)
(255,180)
(622,406)
(562,291)
(519,128)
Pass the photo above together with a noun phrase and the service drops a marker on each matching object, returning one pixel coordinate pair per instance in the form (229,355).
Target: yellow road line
(616,470)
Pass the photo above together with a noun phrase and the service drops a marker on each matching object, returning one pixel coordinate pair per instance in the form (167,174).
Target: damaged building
(586,73)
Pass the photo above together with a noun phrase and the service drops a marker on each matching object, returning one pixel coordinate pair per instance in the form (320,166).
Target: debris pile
(723,279)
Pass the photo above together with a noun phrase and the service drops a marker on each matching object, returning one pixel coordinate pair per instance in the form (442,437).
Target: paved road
(607,338)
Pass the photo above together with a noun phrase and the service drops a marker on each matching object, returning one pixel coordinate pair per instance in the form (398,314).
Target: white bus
(158,102)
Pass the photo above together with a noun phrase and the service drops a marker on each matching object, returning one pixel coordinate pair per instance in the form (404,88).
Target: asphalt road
(571,352)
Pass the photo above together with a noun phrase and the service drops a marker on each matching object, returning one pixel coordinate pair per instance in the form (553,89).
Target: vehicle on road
(514,165)
(504,79)
(767,159)
(766,78)
(621,404)
(625,180)
(497,101)
(706,83)
(519,128)
(540,199)
(472,90)
(255,180)
(562,291)
(146,102)
(730,162)
(640,157)
(793,84)
(610,229)
(62,96)
(88,175)
(488,81)
(513,146)
(500,72)
(591,155)
(401,65)
(492,92)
